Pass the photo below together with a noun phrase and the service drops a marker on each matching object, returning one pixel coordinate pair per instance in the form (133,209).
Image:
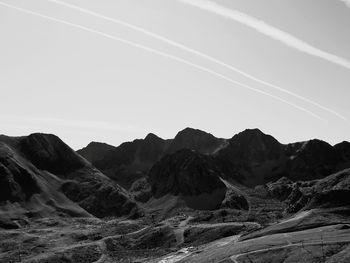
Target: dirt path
(179,255)
(234,258)
(226,224)
(179,232)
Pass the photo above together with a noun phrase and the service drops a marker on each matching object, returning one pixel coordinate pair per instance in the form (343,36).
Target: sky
(116,70)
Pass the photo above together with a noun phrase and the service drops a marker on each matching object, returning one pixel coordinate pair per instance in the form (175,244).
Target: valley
(194,198)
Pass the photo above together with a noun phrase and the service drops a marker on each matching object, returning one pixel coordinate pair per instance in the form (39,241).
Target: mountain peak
(188,131)
(152,137)
(251,133)
(197,140)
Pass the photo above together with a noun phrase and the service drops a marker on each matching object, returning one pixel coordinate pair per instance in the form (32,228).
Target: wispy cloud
(29,121)
(268,30)
(166,55)
(194,52)
(347,2)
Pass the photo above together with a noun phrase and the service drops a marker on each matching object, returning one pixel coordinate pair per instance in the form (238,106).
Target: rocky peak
(185,172)
(95,151)
(195,139)
(151,137)
(253,146)
(48,152)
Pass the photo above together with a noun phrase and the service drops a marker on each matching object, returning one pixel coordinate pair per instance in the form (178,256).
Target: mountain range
(158,186)
(249,158)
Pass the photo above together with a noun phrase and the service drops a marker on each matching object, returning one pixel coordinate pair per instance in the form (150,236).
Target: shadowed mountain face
(16,182)
(132,160)
(195,193)
(250,157)
(253,157)
(191,175)
(313,160)
(197,140)
(185,172)
(96,151)
(343,151)
(44,175)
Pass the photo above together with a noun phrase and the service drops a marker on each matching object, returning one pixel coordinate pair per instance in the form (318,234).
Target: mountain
(190,177)
(132,160)
(129,161)
(41,175)
(314,159)
(252,158)
(185,172)
(235,198)
(95,151)
(343,151)
(197,140)
(194,179)
(332,191)
(329,192)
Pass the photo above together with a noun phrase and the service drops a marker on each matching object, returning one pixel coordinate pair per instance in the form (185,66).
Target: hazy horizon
(93,77)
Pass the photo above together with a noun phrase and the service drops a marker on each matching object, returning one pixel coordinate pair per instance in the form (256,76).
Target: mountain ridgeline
(197,197)
(40,175)
(249,158)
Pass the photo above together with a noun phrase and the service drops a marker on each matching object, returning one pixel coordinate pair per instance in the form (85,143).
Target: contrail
(195,52)
(268,30)
(166,55)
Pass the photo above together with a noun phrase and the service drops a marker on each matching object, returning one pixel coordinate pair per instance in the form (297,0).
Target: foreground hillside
(41,176)
(194,198)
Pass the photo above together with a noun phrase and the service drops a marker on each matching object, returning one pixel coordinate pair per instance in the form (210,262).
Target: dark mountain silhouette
(95,151)
(343,151)
(129,161)
(184,172)
(197,140)
(43,174)
(253,158)
(314,159)
(250,157)
(132,160)
(186,192)
(18,182)
(191,175)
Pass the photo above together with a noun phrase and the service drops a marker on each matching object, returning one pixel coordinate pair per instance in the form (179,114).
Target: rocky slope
(252,157)
(40,175)
(249,199)
(329,192)
(197,140)
(195,178)
(95,151)
(249,158)
(132,160)
(129,161)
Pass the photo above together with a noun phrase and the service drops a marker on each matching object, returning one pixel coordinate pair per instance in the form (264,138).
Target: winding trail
(180,231)
(234,258)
